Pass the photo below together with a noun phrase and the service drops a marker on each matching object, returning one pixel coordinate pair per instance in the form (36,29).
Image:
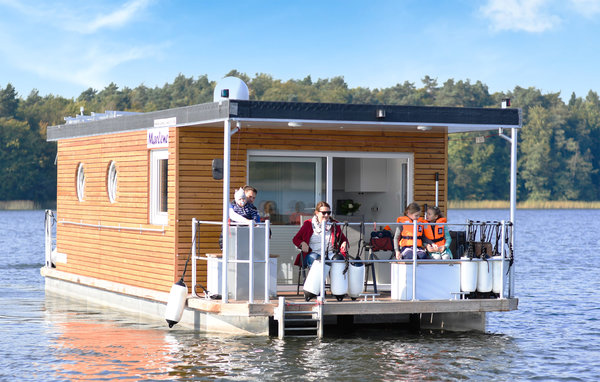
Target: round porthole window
(111,182)
(80,182)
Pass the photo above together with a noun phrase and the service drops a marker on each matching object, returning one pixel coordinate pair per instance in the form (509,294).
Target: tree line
(559,144)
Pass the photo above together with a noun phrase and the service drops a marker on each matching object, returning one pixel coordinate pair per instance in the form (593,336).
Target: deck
(382,304)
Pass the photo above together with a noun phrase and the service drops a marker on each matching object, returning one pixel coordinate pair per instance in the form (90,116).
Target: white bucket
(339,279)
(313,280)
(484,276)
(497,274)
(468,274)
(356,279)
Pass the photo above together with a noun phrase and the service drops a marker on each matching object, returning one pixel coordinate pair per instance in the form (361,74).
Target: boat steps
(296,321)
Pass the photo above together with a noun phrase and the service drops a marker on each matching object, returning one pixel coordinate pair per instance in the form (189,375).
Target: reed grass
(26,205)
(528,204)
(17,205)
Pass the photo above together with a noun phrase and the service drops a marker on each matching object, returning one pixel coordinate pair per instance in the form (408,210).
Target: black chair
(372,256)
(301,273)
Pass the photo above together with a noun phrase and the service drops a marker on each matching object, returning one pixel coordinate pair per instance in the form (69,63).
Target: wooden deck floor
(380,304)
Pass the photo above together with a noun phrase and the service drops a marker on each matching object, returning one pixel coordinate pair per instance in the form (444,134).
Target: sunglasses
(325,212)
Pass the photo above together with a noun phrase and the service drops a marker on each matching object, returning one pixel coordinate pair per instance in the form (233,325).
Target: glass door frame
(329,155)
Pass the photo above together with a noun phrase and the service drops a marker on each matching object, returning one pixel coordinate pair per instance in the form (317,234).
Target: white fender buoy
(468,274)
(312,284)
(176,303)
(497,274)
(484,277)
(339,279)
(356,279)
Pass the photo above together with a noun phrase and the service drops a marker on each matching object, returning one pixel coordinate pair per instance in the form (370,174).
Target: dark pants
(407,253)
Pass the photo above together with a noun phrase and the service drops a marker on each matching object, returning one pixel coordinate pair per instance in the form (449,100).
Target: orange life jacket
(406,237)
(436,233)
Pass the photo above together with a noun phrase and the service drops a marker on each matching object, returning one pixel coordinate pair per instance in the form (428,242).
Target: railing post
(511,276)
(502,238)
(194,223)
(48,238)
(267,258)
(225,220)
(281,318)
(320,302)
(323,256)
(414,271)
(251,263)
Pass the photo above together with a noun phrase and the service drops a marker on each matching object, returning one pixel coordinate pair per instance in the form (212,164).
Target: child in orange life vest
(438,234)
(403,239)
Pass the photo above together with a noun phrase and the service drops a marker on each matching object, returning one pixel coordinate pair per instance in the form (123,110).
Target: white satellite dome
(231,88)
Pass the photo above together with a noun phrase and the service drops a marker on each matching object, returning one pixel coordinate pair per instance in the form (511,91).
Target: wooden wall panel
(138,258)
(200,195)
(155,260)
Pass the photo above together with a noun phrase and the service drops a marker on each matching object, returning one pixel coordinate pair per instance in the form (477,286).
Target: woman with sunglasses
(308,238)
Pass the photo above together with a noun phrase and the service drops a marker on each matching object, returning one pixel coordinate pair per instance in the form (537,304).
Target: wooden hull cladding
(154,259)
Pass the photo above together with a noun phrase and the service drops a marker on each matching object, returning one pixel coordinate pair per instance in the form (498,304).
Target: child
(438,234)
(403,239)
(237,212)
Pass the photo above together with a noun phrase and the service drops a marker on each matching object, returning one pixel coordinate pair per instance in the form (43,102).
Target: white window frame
(156,215)
(111,181)
(329,155)
(80,182)
(317,161)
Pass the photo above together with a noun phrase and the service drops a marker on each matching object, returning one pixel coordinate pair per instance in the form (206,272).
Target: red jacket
(306,231)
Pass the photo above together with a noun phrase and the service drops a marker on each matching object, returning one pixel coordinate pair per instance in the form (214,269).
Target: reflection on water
(555,334)
(109,345)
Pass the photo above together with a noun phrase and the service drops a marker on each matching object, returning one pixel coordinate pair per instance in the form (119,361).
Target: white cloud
(520,15)
(587,8)
(79,17)
(42,42)
(115,19)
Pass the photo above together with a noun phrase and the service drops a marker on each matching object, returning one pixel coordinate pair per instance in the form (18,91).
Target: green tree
(8,102)
(538,163)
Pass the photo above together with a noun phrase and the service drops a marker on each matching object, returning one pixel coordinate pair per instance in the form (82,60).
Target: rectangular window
(288,186)
(159,176)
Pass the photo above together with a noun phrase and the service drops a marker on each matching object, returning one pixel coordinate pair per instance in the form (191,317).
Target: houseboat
(143,199)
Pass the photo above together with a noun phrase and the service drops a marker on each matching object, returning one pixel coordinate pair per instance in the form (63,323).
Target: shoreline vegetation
(559,144)
(9,205)
(452,205)
(529,204)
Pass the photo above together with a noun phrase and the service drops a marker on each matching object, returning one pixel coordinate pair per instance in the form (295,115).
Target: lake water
(555,334)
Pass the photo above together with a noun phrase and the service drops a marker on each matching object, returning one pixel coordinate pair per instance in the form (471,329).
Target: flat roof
(303,115)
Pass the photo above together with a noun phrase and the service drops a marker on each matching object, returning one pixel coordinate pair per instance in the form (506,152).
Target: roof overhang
(305,116)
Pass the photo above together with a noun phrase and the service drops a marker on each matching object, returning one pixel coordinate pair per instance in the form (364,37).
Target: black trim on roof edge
(202,113)
(367,113)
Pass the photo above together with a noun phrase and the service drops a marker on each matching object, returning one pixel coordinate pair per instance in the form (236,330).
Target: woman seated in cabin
(270,212)
(296,216)
(308,238)
(439,248)
(403,238)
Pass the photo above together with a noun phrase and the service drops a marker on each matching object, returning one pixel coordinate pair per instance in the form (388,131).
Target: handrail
(119,227)
(414,261)
(224,260)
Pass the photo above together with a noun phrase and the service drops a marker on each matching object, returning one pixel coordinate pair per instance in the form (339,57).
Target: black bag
(382,240)
(458,245)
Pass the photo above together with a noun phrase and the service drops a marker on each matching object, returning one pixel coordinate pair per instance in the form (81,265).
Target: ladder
(299,319)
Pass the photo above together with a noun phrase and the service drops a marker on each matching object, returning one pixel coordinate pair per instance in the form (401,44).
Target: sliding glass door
(288,187)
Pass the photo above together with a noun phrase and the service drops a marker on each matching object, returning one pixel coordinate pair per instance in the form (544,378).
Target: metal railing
(503,248)
(225,260)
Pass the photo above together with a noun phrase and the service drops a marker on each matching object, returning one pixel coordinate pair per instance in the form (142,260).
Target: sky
(65,47)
